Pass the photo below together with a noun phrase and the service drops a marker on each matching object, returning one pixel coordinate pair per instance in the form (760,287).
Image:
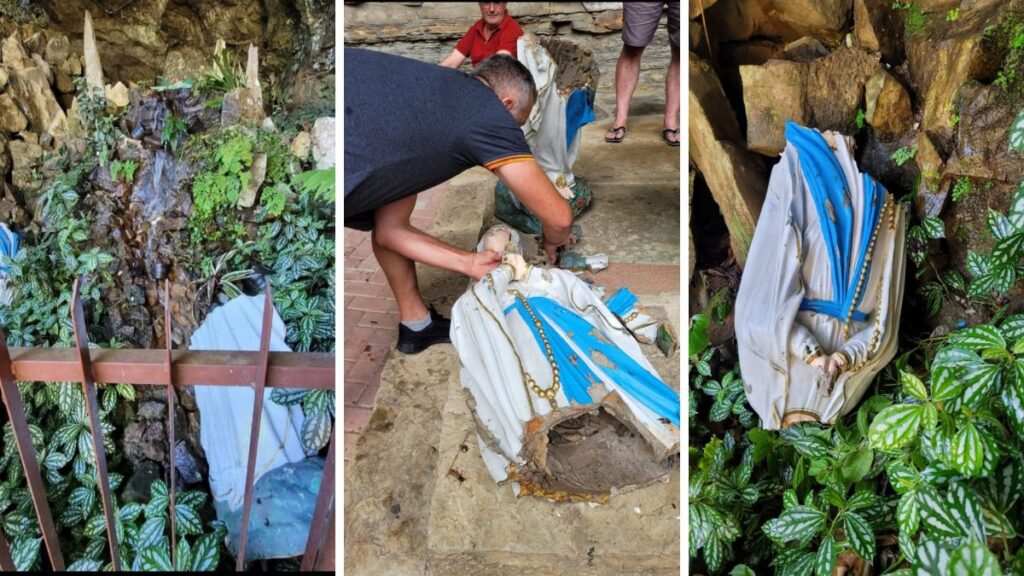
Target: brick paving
(371,318)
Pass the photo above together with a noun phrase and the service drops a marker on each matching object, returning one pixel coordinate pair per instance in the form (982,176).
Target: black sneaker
(413,341)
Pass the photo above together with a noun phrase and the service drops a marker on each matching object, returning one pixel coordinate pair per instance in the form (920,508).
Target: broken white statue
(286,481)
(818,308)
(555,381)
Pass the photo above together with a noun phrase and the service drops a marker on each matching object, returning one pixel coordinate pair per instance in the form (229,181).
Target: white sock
(417,325)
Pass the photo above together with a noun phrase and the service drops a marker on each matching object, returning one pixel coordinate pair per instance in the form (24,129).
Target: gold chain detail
(519,361)
(556,382)
(867,262)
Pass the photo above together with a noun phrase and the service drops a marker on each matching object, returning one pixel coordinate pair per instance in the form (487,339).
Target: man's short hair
(504,73)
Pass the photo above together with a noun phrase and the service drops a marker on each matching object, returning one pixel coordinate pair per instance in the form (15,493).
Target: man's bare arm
(393,231)
(454,60)
(532,187)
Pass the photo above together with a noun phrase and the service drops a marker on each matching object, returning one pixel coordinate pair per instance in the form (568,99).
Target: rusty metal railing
(171,369)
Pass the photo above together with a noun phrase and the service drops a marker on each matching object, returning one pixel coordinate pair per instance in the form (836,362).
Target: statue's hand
(823,363)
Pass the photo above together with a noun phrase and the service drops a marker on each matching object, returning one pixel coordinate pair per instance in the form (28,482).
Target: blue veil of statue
(576,376)
(826,182)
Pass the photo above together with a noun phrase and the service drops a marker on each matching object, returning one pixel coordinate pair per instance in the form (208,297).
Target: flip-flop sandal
(666,132)
(616,130)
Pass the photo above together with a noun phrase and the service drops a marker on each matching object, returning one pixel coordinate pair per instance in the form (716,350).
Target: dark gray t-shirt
(411,125)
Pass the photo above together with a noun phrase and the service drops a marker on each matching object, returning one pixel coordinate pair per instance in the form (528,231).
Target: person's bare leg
(672,95)
(627,74)
(399,270)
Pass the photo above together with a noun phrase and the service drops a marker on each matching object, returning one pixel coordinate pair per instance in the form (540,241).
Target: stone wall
(428,31)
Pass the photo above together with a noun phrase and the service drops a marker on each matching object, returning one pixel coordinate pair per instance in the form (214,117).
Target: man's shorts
(640,20)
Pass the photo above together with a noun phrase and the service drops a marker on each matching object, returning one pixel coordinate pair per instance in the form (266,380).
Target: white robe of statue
(500,355)
(783,348)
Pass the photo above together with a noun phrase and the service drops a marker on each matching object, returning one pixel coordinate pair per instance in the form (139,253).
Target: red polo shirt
(504,38)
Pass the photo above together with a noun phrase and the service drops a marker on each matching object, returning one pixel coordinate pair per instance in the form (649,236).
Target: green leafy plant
(172,132)
(997,271)
(125,170)
(915,18)
(961,189)
(918,236)
(953,15)
(861,119)
(225,74)
(904,154)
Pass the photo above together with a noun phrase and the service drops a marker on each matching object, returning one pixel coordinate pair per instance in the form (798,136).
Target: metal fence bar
(91,404)
(324,504)
(6,562)
(307,370)
(27,453)
(257,412)
(170,416)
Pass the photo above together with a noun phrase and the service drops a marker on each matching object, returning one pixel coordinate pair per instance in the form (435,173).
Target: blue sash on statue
(576,376)
(826,182)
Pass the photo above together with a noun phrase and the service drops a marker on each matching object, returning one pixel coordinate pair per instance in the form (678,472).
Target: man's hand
(483,262)
(551,250)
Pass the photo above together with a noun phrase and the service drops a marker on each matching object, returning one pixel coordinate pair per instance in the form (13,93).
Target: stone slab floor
(405,514)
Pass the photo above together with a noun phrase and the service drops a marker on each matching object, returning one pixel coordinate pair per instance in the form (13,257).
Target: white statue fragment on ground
(554,381)
(818,308)
(286,481)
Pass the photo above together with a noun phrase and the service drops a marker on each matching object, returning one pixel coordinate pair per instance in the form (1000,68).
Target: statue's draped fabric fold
(825,274)
(516,338)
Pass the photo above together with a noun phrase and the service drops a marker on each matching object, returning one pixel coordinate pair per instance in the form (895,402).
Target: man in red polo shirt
(494,33)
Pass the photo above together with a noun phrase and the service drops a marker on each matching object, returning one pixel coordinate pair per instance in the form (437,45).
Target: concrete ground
(417,497)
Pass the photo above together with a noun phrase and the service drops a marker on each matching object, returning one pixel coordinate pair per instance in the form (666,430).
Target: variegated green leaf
(999,224)
(983,285)
(1016,212)
(977,265)
(862,499)
(825,559)
(55,460)
(946,383)
(1017,132)
(206,554)
(1003,278)
(796,523)
(1007,251)
(151,533)
(1008,482)
(997,525)
(316,431)
(801,564)
(96,527)
(85,565)
(1013,327)
(789,499)
(894,427)
(129,512)
(978,337)
(966,511)
(933,227)
(290,396)
(913,386)
(936,517)
(860,535)
(183,555)
(66,435)
(187,520)
(975,559)
(25,553)
(932,558)
(156,559)
(968,451)
(929,416)
(980,381)
(193,498)
(908,515)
